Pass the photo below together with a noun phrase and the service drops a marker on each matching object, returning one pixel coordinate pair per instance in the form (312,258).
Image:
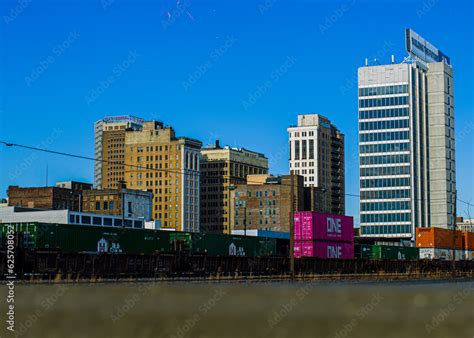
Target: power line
(141,168)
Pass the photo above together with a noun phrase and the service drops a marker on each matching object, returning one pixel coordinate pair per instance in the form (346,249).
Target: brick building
(53,198)
(264,203)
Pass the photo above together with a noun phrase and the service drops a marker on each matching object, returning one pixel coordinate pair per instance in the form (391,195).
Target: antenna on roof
(366,62)
(393,59)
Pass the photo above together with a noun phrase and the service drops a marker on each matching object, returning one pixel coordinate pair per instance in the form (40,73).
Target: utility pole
(231,202)
(292,227)
(245,220)
(454,232)
(122,197)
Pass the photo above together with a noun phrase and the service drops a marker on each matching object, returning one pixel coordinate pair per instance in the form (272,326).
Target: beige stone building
(221,168)
(125,202)
(168,166)
(109,139)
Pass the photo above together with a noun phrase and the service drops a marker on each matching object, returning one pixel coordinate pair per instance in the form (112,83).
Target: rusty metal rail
(49,265)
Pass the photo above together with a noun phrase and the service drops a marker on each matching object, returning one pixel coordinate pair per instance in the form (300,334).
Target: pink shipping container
(298,249)
(327,250)
(323,227)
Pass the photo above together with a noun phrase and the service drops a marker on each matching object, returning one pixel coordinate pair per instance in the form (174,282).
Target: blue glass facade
(385,158)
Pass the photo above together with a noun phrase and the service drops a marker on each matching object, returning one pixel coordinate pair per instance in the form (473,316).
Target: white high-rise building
(317,154)
(406,143)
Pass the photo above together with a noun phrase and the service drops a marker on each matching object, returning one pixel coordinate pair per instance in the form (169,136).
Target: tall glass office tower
(406,143)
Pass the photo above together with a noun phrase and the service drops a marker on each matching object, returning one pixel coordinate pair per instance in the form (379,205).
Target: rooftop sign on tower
(422,49)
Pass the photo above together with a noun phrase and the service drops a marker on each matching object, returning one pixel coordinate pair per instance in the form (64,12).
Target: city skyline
(271,99)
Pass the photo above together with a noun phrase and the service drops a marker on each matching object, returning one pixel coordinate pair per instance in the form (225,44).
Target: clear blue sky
(239,71)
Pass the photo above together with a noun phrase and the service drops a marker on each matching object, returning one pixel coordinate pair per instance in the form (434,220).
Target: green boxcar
(233,245)
(366,251)
(80,238)
(180,241)
(394,252)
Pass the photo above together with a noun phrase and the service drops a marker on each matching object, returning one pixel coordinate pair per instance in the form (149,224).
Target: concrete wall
(441,144)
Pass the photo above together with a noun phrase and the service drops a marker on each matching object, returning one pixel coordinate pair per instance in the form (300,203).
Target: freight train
(70,238)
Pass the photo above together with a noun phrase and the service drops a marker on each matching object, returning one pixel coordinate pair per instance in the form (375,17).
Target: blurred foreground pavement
(182,310)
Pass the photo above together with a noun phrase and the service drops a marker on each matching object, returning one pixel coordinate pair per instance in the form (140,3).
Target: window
(304,152)
(108,221)
(97,205)
(86,220)
(106,205)
(97,220)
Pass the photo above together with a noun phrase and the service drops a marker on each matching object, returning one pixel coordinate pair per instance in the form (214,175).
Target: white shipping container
(442,254)
(470,255)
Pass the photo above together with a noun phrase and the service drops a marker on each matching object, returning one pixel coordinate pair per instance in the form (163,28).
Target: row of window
(384,194)
(385,183)
(385,229)
(390,124)
(106,205)
(383,101)
(106,221)
(383,113)
(383,206)
(386,136)
(157,148)
(384,159)
(303,134)
(384,148)
(385,171)
(385,90)
(260,194)
(385,218)
(305,151)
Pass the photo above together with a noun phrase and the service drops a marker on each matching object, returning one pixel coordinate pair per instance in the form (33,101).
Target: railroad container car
(388,252)
(324,249)
(233,245)
(438,238)
(81,238)
(394,252)
(468,241)
(323,227)
(441,254)
(469,255)
(365,251)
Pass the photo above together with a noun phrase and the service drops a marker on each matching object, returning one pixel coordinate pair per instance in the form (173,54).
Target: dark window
(97,220)
(108,221)
(86,220)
